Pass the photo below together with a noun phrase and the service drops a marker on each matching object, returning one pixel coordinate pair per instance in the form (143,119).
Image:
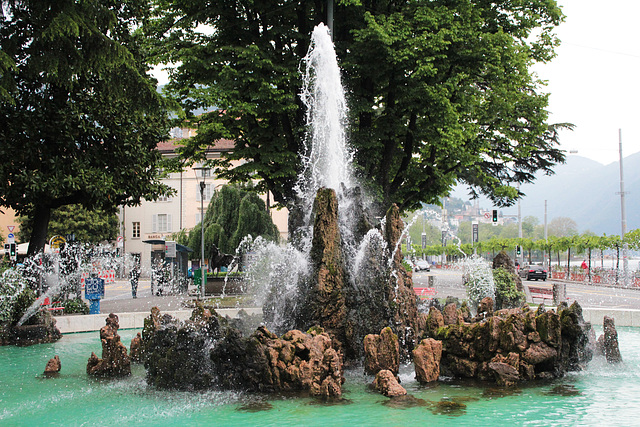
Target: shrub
(507,294)
(75,305)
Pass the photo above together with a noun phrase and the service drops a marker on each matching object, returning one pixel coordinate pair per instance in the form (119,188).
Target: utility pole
(521,256)
(546,237)
(330,17)
(623,217)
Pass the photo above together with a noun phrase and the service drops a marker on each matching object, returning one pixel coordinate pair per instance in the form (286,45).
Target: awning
(179,248)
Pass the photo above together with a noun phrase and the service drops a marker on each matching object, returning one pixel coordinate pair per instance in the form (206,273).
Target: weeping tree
(233,213)
(79,116)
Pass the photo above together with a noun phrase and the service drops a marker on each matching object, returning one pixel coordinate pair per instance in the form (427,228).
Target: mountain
(583,190)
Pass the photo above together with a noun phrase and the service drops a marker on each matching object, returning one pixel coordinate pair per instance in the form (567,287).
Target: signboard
(11,237)
(57,241)
(475,233)
(93,288)
(120,241)
(170,249)
(11,228)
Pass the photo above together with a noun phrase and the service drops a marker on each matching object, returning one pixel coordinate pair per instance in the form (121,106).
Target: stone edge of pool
(93,322)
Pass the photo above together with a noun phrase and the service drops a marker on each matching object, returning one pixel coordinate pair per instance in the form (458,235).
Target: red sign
(10,228)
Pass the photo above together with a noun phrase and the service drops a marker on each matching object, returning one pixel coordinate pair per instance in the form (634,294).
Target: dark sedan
(533,272)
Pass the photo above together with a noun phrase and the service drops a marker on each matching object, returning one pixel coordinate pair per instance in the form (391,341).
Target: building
(158,220)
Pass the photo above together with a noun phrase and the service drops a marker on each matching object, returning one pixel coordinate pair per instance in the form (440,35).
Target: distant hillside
(583,190)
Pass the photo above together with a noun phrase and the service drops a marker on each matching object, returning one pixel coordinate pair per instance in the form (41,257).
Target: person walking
(134,275)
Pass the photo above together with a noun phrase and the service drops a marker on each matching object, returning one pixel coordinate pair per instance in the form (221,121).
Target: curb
(93,322)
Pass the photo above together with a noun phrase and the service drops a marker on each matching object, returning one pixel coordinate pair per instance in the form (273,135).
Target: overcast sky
(594,81)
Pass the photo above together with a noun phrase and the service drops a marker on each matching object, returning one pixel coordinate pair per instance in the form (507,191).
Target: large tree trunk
(41,217)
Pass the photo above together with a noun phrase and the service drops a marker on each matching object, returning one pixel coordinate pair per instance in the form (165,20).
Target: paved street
(449,282)
(446,282)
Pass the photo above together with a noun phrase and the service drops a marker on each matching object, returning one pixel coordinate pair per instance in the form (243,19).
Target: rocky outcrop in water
(208,351)
(53,366)
(325,301)
(382,352)
(387,384)
(512,345)
(607,344)
(115,361)
(426,359)
(135,348)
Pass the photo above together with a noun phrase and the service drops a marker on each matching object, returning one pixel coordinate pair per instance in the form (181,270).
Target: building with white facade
(158,220)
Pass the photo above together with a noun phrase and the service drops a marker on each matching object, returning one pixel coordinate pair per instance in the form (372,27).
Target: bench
(542,293)
(47,305)
(425,292)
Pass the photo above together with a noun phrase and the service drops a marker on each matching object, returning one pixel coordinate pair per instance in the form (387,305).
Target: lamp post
(203,273)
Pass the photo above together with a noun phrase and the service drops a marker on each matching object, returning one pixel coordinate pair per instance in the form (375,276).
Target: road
(446,282)
(449,282)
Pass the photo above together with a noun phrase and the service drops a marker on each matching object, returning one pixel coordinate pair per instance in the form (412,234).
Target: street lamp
(203,273)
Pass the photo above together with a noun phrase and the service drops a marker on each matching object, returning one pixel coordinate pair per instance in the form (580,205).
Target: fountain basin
(601,394)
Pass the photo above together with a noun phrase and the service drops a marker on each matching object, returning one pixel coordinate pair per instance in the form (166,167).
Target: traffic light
(518,250)
(13,251)
(494,218)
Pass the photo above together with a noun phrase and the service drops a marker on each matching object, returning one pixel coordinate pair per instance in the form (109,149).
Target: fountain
(340,281)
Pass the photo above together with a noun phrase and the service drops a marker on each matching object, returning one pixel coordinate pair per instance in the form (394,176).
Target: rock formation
(325,302)
(504,261)
(514,344)
(382,352)
(135,348)
(208,351)
(53,366)
(608,342)
(426,358)
(115,362)
(387,384)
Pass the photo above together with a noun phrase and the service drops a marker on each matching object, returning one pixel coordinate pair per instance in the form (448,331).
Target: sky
(594,81)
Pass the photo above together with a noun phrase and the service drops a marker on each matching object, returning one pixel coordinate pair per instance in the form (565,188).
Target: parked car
(533,272)
(422,265)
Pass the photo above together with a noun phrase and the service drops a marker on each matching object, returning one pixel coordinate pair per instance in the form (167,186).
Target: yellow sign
(56,241)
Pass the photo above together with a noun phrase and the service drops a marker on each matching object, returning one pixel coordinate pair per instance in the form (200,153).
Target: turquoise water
(603,394)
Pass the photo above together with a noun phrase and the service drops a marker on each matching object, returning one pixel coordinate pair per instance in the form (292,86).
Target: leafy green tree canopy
(79,117)
(440,92)
(88,226)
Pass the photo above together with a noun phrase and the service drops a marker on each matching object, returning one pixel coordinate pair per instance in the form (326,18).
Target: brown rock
(506,374)
(539,352)
(387,384)
(115,362)
(450,314)
(382,352)
(426,358)
(608,342)
(135,349)
(435,321)
(485,307)
(53,366)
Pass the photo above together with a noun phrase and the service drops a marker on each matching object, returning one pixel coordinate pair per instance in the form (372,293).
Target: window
(162,223)
(208,192)
(135,230)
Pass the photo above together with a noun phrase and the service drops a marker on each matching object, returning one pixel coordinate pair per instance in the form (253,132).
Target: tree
(233,213)
(79,117)
(562,227)
(440,92)
(90,226)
